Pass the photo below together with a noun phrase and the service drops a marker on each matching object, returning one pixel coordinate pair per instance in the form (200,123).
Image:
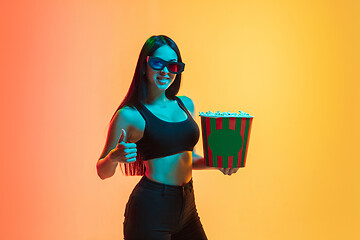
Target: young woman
(152,133)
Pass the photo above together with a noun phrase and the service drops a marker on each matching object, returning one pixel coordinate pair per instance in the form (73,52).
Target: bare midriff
(171,170)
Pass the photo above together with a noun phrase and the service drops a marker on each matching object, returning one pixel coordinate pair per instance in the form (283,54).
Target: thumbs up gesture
(124,152)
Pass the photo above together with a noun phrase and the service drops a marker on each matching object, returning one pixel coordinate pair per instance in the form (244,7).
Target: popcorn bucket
(226,139)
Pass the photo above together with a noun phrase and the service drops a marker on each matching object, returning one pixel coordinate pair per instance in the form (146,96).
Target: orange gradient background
(66,65)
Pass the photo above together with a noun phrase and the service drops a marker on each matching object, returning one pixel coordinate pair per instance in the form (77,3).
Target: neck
(159,99)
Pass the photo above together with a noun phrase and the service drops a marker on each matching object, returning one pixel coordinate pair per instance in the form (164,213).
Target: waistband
(161,186)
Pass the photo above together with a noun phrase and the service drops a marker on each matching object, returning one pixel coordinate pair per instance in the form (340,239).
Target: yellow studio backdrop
(66,65)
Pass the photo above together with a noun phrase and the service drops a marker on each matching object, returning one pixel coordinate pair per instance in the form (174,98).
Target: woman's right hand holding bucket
(124,152)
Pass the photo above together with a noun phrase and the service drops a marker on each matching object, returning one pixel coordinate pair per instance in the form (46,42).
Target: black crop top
(162,138)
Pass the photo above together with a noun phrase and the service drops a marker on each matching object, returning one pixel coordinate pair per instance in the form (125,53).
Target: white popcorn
(225,114)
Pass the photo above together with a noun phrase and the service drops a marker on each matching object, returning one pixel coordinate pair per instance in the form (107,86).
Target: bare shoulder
(122,118)
(189,104)
(127,113)
(132,117)
(135,122)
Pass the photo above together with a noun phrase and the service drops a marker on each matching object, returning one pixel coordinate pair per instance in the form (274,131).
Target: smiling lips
(163,80)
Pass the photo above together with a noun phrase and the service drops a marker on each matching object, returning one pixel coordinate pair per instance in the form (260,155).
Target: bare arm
(116,147)
(199,162)
(106,167)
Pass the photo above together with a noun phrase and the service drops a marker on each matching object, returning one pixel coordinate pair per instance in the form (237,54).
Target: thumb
(122,136)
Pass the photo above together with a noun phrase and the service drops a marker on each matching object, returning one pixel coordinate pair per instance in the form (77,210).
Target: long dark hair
(137,92)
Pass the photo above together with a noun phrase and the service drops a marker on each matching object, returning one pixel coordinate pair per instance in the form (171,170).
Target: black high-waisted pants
(162,212)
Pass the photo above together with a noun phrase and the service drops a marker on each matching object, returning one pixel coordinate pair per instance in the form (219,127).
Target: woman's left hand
(228,171)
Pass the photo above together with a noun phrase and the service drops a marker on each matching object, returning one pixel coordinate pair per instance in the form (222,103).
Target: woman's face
(162,79)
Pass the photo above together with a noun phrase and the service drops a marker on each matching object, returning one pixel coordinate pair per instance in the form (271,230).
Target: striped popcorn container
(225,140)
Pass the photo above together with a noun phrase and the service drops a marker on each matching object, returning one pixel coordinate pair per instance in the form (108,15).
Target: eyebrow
(171,60)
